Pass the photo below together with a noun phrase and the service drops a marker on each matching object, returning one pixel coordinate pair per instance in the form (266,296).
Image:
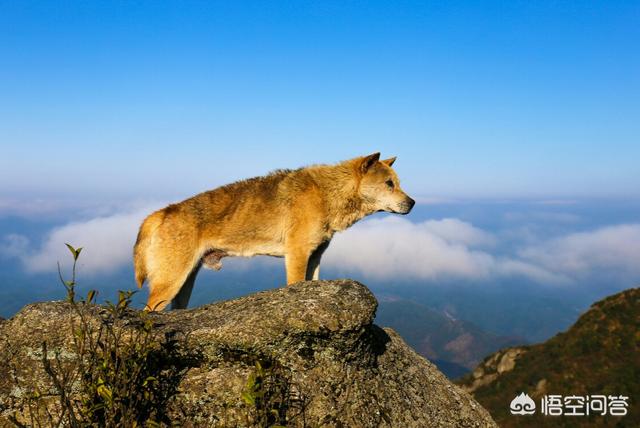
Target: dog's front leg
(301,237)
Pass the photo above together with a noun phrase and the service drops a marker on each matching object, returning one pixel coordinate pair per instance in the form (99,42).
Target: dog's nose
(411,203)
(407,204)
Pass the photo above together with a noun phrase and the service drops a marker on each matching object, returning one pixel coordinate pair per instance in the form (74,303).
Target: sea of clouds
(378,248)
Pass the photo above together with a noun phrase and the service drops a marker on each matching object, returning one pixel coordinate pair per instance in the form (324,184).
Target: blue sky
(478,99)
(515,124)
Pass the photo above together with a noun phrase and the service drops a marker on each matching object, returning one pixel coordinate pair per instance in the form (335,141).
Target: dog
(287,213)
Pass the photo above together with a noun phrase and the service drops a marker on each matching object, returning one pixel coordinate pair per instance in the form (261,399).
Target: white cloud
(456,231)
(107,243)
(578,254)
(395,247)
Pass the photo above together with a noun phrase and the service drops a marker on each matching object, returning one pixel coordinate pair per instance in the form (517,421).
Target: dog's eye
(389,183)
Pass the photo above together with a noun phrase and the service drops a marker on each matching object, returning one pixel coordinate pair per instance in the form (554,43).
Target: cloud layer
(107,243)
(579,254)
(397,248)
(390,247)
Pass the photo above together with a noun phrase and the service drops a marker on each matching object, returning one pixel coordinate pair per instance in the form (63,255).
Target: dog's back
(237,213)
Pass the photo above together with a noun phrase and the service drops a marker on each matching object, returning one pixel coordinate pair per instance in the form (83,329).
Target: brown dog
(288,213)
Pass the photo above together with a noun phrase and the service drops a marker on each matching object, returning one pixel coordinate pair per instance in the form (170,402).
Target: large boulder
(338,368)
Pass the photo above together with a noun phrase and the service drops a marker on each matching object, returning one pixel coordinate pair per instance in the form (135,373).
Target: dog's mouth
(404,208)
(401,211)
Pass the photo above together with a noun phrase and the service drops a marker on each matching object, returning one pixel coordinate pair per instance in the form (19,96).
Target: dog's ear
(368,161)
(389,162)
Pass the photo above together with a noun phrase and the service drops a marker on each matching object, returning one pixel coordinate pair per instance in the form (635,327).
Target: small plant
(271,395)
(123,373)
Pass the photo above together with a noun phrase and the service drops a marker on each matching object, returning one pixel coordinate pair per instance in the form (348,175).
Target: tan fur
(288,213)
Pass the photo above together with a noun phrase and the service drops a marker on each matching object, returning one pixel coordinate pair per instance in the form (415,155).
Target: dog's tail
(140,249)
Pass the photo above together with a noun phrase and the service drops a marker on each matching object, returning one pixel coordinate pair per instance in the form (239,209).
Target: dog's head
(380,186)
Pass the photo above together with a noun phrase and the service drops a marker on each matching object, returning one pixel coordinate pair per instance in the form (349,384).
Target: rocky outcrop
(339,368)
(598,355)
(488,371)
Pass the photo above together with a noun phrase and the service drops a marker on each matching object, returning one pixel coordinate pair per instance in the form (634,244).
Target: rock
(508,360)
(489,370)
(339,367)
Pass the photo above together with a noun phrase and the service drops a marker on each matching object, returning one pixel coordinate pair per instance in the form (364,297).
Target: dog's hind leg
(182,298)
(160,296)
(165,285)
(313,267)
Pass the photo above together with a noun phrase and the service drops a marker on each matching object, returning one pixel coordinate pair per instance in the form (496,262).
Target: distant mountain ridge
(599,354)
(455,346)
